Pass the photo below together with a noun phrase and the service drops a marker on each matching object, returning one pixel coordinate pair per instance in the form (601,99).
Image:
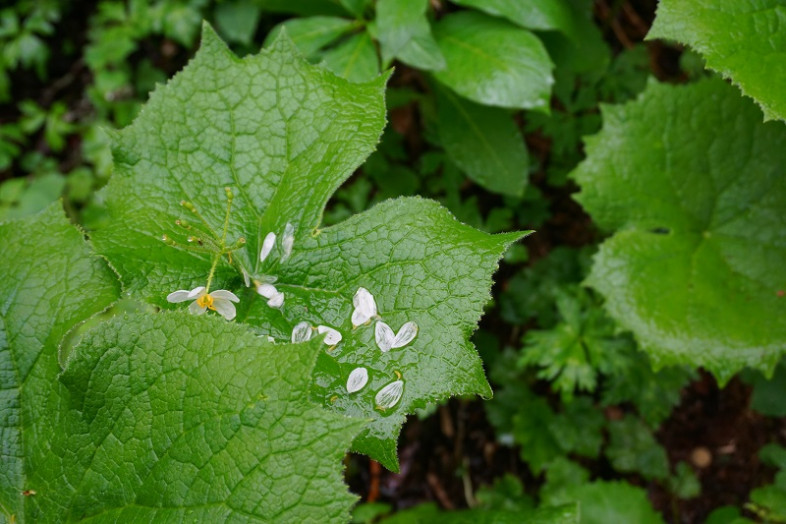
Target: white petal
(384,336)
(389,396)
(276,300)
(225,295)
(246,278)
(196,292)
(267,246)
(357,380)
(288,241)
(405,335)
(365,307)
(267,290)
(302,332)
(225,308)
(181,295)
(271,339)
(196,309)
(332,338)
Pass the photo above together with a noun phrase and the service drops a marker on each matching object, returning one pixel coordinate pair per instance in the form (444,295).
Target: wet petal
(389,396)
(246,278)
(405,335)
(365,307)
(332,336)
(225,295)
(196,292)
(181,295)
(225,308)
(384,336)
(288,241)
(302,332)
(276,300)
(357,380)
(267,290)
(267,246)
(196,309)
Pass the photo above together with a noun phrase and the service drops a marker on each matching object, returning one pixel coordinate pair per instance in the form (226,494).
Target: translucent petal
(405,335)
(267,246)
(181,295)
(389,396)
(276,300)
(332,337)
(225,308)
(357,380)
(196,292)
(196,309)
(267,290)
(225,295)
(384,336)
(302,332)
(288,241)
(365,307)
(246,278)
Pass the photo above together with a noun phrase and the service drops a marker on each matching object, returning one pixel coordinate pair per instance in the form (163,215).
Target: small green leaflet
(51,282)
(742,39)
(532,14)
(695,187)
(404,33)
(603,502)
(284,135)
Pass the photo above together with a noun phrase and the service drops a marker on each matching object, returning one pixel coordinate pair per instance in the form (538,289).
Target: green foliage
(602,502)
(425,513)
(633,449)
(742,40)
(404,33)
(677,272)
(769,502)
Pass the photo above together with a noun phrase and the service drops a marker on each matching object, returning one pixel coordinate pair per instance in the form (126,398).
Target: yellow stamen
(206,301)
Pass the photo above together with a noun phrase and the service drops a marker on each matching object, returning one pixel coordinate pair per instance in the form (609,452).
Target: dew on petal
(389,396)
(267,246)
(384,336)
(267,290)
(365,307)
(302,332)
(357,380)
(332,336)
(405,335)
(287,242)
(276,301)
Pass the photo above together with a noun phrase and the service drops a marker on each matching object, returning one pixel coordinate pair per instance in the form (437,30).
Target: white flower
(386,340)
(274,296)
(332,337)
(219,300)
(301,332)
(357,380)
(365,307)
(288,241)
(267,246)
(389,396)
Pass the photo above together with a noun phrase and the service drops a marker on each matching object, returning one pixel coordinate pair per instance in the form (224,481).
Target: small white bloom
(274,296)
(357,380)
(389,396)
(332,337)
(365,307)
(288,241)
(387,340)
(267,246)
(302,332)
(219,300)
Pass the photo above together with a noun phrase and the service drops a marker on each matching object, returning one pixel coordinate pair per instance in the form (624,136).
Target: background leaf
(404,33)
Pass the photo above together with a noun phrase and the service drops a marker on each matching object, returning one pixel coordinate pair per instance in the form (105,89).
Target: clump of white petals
(357,380)
(302,332)
(287,241)
(274,296)
(387,340)
(365,307)
(332,337)
(389,396)
(267,246)
(219,301)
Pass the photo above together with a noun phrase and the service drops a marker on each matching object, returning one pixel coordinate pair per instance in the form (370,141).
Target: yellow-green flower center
(205,301)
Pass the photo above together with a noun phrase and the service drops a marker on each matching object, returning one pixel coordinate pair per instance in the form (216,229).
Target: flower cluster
(219,301)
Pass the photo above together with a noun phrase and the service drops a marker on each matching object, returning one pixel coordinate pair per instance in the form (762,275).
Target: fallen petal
(288,241)
(267,246)
(302,332)
(365,307)
(405,335)
(389,396)
(196,292)
(276,300)
(384,336)
(357,380)
(332,336)
(267,290)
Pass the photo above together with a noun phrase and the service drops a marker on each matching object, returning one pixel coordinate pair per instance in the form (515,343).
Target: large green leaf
(603,502)
(51,282)
(493,62)
(312,33)
(532,14)
(404,33)
(742,39)
(484,142)
(284,135)
(695,186)
(354,59)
